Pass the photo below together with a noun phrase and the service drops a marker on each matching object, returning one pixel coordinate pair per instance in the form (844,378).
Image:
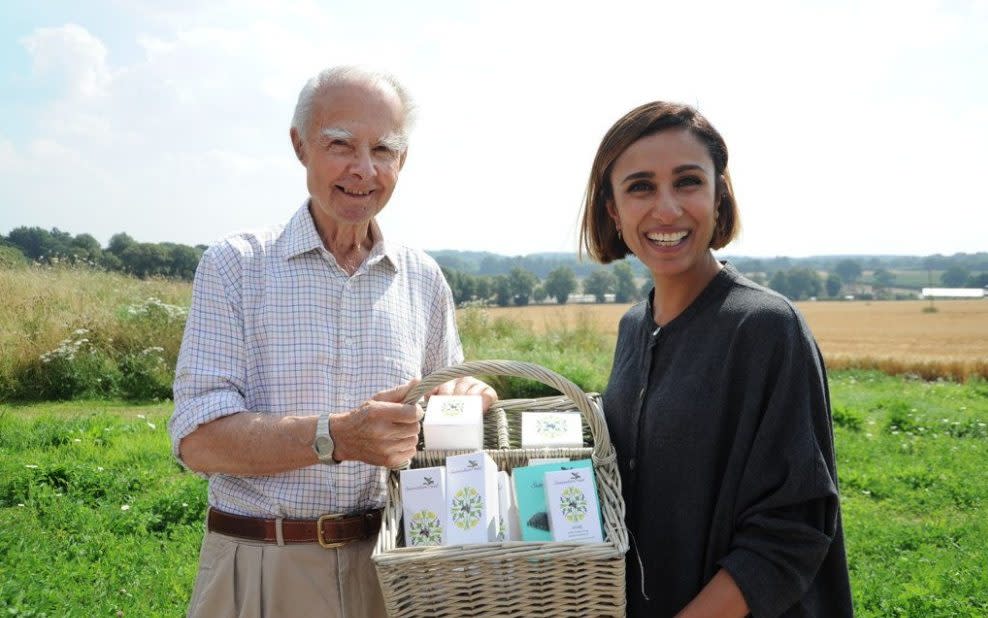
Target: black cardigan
(721,421)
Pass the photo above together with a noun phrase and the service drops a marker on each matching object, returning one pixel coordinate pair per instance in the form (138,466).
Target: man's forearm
(248,443)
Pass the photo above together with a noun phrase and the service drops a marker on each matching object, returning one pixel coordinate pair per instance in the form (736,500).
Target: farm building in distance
(953,293)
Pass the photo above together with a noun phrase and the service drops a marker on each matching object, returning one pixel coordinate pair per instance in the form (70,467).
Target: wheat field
(894,336)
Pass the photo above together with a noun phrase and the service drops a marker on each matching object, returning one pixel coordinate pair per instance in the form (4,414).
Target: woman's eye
(687,181)
(639,187)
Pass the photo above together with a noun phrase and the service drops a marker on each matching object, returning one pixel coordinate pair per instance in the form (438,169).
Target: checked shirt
(277,327)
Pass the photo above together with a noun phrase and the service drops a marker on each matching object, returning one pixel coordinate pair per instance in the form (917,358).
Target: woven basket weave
(511,578)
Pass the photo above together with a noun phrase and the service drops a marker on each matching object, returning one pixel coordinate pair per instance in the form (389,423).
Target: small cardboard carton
(551,430)
(454,422)
(574,513)
(472,505)
(423,502)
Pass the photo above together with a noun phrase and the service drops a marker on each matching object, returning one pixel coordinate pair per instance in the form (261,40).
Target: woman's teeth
(667,240)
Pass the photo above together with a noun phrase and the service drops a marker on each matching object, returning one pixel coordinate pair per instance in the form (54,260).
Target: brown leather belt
(329,530)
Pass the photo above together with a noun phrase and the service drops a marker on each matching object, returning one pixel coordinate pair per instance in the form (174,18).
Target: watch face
(324,445)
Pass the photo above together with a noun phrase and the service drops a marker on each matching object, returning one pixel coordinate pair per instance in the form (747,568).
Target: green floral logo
(550,426)
(452,408)
(573,504)
(501,528)
(425,529)
(467,508)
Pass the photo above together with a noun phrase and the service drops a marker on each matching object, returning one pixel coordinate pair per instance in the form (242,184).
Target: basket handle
(603,452)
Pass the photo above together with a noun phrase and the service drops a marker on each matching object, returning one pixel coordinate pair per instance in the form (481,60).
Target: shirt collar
(300,236)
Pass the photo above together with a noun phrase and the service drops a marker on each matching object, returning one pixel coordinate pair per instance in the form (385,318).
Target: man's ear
(401,160)
(297,145)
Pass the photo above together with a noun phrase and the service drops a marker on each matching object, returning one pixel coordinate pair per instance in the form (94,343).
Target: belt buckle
(319,535)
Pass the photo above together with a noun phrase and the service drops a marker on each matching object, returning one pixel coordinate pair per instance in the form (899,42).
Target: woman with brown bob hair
(717,403)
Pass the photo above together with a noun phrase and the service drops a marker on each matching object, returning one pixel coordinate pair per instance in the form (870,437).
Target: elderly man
(301,345)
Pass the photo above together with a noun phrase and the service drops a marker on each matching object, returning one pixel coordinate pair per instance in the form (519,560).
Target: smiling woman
(717,401)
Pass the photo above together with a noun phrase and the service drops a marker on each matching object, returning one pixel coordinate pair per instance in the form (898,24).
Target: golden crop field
(896,336)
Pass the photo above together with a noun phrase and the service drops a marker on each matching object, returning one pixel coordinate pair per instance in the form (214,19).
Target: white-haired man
(301,344)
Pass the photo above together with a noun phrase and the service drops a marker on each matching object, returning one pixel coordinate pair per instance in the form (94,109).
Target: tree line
(122,253)
(488,278)
(519,287)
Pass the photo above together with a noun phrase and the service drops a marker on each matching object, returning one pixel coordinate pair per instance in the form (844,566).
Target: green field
(98,519)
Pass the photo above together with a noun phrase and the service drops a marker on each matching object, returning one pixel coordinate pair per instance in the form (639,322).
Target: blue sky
(854,127)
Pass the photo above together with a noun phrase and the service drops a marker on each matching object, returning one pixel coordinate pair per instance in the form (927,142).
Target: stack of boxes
(469,501)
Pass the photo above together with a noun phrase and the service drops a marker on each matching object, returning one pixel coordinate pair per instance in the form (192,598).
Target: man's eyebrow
(394,141)
(332,133)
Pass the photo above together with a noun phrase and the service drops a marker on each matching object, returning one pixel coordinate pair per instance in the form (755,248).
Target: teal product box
(529,481)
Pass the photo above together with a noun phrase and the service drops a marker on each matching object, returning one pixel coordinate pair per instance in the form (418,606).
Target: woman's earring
(619,233)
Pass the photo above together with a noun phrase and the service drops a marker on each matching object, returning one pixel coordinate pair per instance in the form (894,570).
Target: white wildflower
(124,507)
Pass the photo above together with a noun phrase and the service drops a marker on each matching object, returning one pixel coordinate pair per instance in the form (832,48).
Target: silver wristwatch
(323,444)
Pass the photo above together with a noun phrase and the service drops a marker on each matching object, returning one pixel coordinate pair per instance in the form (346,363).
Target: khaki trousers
(249,579)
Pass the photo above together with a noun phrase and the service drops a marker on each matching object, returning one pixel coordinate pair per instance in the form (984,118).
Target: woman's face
(664,189)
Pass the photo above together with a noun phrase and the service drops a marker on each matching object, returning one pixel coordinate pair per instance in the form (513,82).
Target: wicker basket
(511,578)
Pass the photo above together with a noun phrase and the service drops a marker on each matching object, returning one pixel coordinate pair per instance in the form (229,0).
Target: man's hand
(381,431)
(468,386)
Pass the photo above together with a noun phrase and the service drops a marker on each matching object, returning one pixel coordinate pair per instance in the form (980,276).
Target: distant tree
(600,283)
(625,289)
(539,294)
(521,283)
(954,277)
(502,290)
(146,260)
(779,282)
(184,260)
(483,288)
(977,281)
(833,285)
(560,283)
(803,283)
(85,247)
(120,243)
(849,270)
(34,242)
(646,288)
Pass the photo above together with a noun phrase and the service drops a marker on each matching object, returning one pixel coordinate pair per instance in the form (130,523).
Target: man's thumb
(398,393)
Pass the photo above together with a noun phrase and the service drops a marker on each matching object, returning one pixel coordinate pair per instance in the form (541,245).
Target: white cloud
(75,55)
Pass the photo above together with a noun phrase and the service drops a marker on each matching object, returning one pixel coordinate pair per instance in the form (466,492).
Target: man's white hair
(335,76)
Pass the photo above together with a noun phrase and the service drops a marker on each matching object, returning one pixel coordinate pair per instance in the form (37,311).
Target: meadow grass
(68,332)
(98,519)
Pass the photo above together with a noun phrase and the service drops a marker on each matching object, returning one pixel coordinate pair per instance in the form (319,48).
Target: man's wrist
(323,443)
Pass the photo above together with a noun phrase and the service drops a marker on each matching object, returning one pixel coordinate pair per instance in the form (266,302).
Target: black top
(721,421)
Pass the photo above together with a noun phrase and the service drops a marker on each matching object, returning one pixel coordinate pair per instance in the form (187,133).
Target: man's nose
(362,164)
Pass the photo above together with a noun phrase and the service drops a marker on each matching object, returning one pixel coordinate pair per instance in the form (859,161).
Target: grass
(98,519)
(90,498)
(68,332)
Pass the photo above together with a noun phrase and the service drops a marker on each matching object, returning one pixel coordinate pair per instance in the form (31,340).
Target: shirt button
(631,463)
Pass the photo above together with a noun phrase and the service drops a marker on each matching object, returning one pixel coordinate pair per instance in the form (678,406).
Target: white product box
(508,511)
(423,502)
(574,513)
(551,430)
(472,510)
(454,422)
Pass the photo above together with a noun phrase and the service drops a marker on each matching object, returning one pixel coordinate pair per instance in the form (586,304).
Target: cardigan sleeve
(786,512)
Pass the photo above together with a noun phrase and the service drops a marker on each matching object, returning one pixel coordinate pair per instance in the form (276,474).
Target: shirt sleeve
(210,372)
(787,508)
(442,339)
